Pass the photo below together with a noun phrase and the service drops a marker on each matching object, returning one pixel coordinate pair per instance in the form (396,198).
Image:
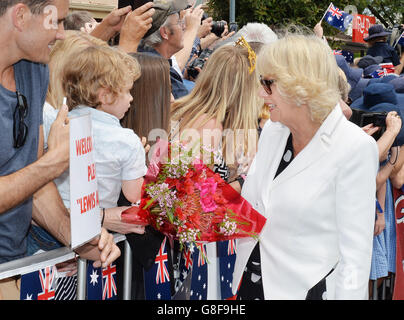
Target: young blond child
(97,81)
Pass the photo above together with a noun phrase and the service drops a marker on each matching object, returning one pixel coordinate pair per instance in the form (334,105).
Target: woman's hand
(370,129)
(113,222)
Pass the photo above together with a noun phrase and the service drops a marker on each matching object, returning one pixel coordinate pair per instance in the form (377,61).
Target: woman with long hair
(149,115)
(223,108)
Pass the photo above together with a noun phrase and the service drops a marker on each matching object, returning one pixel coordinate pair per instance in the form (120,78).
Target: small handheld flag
(337,18)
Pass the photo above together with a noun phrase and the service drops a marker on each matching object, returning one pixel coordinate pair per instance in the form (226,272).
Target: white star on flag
(94,277)
(29,297)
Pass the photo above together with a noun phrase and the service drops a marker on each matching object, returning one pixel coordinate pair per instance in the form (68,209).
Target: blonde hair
(265,112)
(226,91)
(97,67)
(305,71)
(61,53)
(343,85)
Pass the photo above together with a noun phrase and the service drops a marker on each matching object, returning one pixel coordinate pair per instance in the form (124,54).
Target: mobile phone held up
(134,3)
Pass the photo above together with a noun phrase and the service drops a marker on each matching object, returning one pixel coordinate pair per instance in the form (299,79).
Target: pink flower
(207,191)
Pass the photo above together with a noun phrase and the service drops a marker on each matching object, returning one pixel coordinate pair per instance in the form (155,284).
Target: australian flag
(183,279)
(157,279)
(384,70)
(227,258)
(101,282)
(192,283)
(199,284)
(39,285)
(349,56)
(337,18)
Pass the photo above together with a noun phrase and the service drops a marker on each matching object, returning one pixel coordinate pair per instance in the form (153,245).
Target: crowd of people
(284,114)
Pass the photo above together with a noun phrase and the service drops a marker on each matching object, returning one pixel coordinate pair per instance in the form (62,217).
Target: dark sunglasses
(20,129)
(267,84)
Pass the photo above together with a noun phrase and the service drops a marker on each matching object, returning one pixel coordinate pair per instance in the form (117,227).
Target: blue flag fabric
(101,282)
(157,279)
(349,56)
(337,18)
(199,284)
(94,282)
(185,266)
(39,285)
(227,258)
(192,282)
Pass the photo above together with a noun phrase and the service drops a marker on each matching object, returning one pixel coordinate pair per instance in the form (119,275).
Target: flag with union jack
(227,258)
(199,283)
(192,283)
(109,291)
(101,282)
(184,270)
(349,56)
(384,70)
(39,285)
(157,279)
(337,18)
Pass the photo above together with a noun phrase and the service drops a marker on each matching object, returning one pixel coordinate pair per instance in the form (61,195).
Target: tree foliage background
(279,13)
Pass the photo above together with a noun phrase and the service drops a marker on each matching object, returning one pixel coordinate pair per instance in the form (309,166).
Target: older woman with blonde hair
(313,178)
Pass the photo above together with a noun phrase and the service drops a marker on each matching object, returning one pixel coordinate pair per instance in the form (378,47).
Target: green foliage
(277,13)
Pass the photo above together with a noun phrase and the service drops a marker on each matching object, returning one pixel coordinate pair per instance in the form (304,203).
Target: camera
(217,26)
(363,118)
(198,63)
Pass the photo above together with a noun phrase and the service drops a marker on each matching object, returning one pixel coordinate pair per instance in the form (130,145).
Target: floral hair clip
(252,57)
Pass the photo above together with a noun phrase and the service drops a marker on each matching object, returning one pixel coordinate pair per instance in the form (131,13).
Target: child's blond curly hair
(94,68)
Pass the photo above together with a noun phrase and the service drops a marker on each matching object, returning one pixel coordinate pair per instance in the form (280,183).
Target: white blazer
(320,211)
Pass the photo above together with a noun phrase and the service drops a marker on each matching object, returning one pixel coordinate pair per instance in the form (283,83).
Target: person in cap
(367,61)
(166,37)
(376,93)
(354,77)
(398,84)
(378,46)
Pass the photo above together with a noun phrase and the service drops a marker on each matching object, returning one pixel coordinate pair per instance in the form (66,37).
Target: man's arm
(25,182)
(111,24)
(135,26)
(192,22)
(49,212)
(399,68)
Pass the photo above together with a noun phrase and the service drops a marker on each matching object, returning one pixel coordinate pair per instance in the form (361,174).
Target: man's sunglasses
(20,129)
(267,84)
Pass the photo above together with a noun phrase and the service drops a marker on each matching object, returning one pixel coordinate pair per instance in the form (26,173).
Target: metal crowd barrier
(45,259)
(53,257)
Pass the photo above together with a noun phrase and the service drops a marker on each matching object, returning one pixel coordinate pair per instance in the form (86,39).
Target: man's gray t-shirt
(31,81)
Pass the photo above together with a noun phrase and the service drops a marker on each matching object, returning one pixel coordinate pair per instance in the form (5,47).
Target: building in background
(98,8)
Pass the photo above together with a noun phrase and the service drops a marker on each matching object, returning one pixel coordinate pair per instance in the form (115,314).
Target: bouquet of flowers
(187,201)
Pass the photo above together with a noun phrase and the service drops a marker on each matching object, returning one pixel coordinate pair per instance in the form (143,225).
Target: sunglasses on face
(267,84)
(20,129)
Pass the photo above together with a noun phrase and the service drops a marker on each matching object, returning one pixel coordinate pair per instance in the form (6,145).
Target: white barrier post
(127,272)
(81,279)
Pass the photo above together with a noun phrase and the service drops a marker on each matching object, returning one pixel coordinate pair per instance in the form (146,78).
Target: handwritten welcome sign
(84,201)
